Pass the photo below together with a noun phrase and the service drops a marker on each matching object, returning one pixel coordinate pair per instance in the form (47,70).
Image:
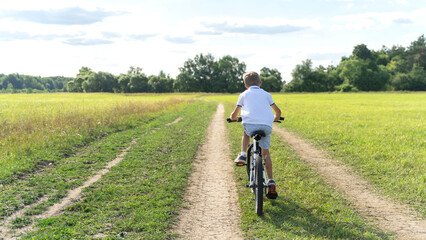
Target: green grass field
(51,143)
(44,127)
(380,135)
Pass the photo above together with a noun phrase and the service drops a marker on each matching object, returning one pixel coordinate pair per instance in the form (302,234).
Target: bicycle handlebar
(240,119)
(281,118)
(230,121)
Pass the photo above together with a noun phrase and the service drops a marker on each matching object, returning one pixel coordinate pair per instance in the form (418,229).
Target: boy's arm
(234,114)
(277,111)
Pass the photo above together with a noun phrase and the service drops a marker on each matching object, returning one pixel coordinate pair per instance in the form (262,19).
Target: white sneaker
(240,160)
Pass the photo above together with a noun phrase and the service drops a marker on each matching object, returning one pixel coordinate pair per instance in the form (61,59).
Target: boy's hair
(251,78)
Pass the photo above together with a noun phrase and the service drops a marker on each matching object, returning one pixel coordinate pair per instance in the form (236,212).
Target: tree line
(14,83)
(397,68)
(201,74)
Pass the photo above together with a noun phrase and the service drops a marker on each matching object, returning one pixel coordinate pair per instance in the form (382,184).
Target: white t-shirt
(256,106)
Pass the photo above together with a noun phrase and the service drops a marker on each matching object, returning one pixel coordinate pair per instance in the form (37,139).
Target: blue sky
(58,37)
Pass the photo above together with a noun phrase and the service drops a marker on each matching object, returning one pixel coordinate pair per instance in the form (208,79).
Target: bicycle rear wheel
(258,186)
(250,155)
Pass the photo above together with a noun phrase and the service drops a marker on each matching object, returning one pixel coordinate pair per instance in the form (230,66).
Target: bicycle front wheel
(258,186)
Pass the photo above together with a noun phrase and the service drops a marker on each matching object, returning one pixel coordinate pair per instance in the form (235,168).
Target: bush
(346,87)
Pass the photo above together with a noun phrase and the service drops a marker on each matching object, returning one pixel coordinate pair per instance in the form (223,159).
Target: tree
(270,72)
(320,79)
(271,79)
(418,79)
(3,84)
(160,83)
(108,82)
(14,79)
(79,84)
(156,84)
(417,52)
(396,50)
(76,85)
(83,71)
(271,84)
(413,81)
(91,82)
(230,72)
(185,83)
(203,69)
(361,51)
(359,74)
(381,58)
(333,78)
(305,79)
(97,82)
(300,76)
(123,83)
(138,81)
(49,83)
(10,88)
(198,75)
(401,81)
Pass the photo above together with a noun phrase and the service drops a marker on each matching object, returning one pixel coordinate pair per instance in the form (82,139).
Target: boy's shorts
(265,142)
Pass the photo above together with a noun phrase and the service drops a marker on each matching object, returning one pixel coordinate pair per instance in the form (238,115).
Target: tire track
(73,196)
(389,215)
(213,209)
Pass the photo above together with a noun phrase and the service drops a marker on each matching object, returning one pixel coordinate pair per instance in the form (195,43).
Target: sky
(58,37)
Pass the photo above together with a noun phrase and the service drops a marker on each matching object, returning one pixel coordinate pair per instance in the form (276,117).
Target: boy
(255,105)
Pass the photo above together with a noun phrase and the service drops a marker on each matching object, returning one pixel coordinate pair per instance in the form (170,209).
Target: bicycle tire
(258,186)
(249,159)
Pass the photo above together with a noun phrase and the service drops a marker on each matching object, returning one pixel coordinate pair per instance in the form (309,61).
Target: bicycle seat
(258,132)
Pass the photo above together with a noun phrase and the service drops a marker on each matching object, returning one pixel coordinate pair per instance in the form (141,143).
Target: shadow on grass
(288,216)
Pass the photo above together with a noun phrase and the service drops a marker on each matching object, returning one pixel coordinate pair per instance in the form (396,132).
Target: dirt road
(212,210)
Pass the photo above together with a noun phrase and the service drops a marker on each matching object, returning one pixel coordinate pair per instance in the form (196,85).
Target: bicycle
(256,168)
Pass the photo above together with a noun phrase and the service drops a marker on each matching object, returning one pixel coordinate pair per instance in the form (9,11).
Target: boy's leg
(242,157)
(272,190)
(245,141)
(268,162)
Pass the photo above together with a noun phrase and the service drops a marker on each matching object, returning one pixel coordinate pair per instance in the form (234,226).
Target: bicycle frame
(251,165)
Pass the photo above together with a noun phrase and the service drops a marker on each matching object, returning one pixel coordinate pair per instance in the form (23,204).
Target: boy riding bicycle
(255,105)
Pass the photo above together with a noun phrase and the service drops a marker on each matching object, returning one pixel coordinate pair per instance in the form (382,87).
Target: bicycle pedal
(240,164)
(272,195)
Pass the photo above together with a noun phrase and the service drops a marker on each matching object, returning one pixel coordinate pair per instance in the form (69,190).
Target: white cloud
(237,25)
(63,16)
(86,41)
(253,29)
(373,20)
(180,40)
